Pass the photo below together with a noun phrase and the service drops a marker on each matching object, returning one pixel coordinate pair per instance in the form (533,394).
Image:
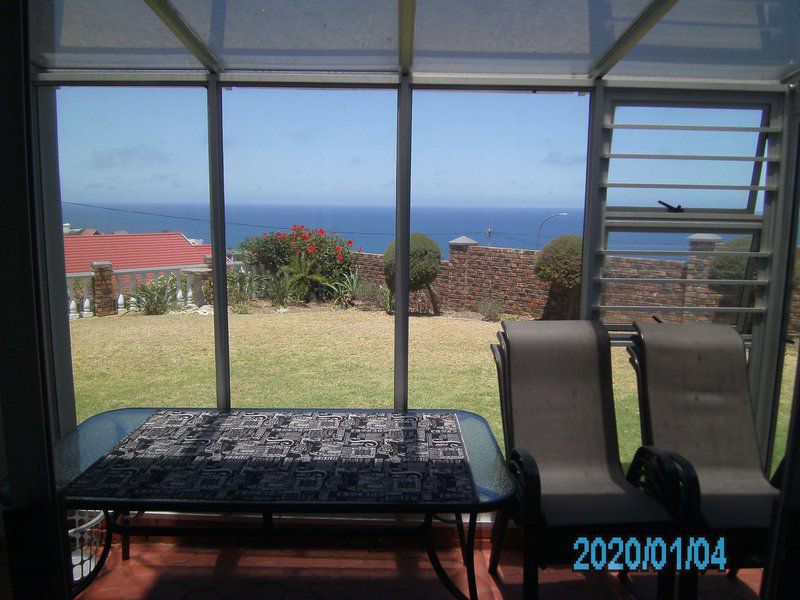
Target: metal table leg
(468,554)
(461,537)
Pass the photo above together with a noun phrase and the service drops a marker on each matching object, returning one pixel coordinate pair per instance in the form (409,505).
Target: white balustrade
(79,285)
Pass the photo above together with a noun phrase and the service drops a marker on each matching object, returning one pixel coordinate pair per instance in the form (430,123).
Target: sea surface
(370,227)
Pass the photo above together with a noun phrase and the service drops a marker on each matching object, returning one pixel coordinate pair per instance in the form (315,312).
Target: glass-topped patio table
(415,484)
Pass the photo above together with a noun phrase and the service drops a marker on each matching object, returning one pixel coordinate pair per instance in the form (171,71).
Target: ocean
(370,227)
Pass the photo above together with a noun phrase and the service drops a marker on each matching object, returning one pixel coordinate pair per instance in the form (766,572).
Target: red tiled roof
(132,251)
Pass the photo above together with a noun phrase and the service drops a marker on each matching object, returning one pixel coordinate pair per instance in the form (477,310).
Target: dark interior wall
(36,540)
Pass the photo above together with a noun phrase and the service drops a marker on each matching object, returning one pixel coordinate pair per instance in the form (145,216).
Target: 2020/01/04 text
(617,553)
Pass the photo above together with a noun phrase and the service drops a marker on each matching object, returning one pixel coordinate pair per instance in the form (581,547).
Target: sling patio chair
(560,430)
(694,399)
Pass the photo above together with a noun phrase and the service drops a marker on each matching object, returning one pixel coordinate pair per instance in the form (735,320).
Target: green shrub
(278,290)
(730,267)
(559,261)
(244,287)
(387,296)
(157,297)
(345,288)
(241,308)
(490,309)
(305,277)
(424,262)
(274,252)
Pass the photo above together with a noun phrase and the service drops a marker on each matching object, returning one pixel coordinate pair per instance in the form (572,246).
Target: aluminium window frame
(767,346)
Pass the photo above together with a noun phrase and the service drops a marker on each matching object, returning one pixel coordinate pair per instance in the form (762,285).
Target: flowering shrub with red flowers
(330,253)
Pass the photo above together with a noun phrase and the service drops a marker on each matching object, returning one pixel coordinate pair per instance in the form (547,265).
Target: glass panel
(495,176)
(791,342)
(694,143)
(670,277)
(112,34)
(310,187)
(354,35)
(134,188)
(547,37)
(719,39)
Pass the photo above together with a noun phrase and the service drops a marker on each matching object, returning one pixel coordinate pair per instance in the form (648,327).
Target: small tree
(730,267)
(559,263)
(424,262)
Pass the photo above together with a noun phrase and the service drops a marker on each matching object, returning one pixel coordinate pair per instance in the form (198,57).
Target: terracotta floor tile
(226,572)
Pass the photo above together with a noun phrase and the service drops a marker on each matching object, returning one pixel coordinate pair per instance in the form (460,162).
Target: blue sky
(319,146)
(285,146)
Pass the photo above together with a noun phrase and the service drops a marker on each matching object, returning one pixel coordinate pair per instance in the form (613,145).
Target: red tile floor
(298,567)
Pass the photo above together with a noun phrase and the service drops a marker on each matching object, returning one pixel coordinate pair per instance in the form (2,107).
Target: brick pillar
(105,302)
(458,284)
(697,267)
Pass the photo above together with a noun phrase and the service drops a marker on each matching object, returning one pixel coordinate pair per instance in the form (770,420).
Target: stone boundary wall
(475,274)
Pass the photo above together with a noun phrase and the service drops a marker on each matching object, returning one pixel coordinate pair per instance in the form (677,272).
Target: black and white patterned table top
(286,457)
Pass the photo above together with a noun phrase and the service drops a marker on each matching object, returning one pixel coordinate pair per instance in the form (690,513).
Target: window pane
(718,39)
(729,153)
(112,34)
(302,34)
(495,176)
(547,37)
(310,187)
(134,189)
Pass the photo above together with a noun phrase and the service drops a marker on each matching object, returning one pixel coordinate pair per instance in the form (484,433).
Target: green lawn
(311,357)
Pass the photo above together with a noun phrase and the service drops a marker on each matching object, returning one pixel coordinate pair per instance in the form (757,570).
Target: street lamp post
(545,220)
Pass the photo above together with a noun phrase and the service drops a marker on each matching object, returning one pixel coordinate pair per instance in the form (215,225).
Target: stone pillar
(105,303)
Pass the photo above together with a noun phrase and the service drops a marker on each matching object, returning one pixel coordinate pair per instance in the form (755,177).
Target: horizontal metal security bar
(689,186)
(693,157)
(624,334)
(665,280)
(689,214)
(687,309)
(641,252)
(688,226)
(723,128)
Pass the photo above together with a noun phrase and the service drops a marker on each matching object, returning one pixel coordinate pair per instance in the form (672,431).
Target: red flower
(349,242)
(311,249)
(339,257)
(321,231)
(338,248)
(297,251)
(281,235)
(322,234)
(294,227)
(263,235)
(305,236)
(301,227)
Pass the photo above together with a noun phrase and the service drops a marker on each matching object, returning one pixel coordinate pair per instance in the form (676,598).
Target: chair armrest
(668,478)
(525,472)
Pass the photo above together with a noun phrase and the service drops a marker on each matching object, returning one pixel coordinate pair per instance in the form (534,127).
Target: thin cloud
(556,158)
(126,156)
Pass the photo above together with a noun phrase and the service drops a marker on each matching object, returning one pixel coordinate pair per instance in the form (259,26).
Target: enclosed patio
(261,254)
